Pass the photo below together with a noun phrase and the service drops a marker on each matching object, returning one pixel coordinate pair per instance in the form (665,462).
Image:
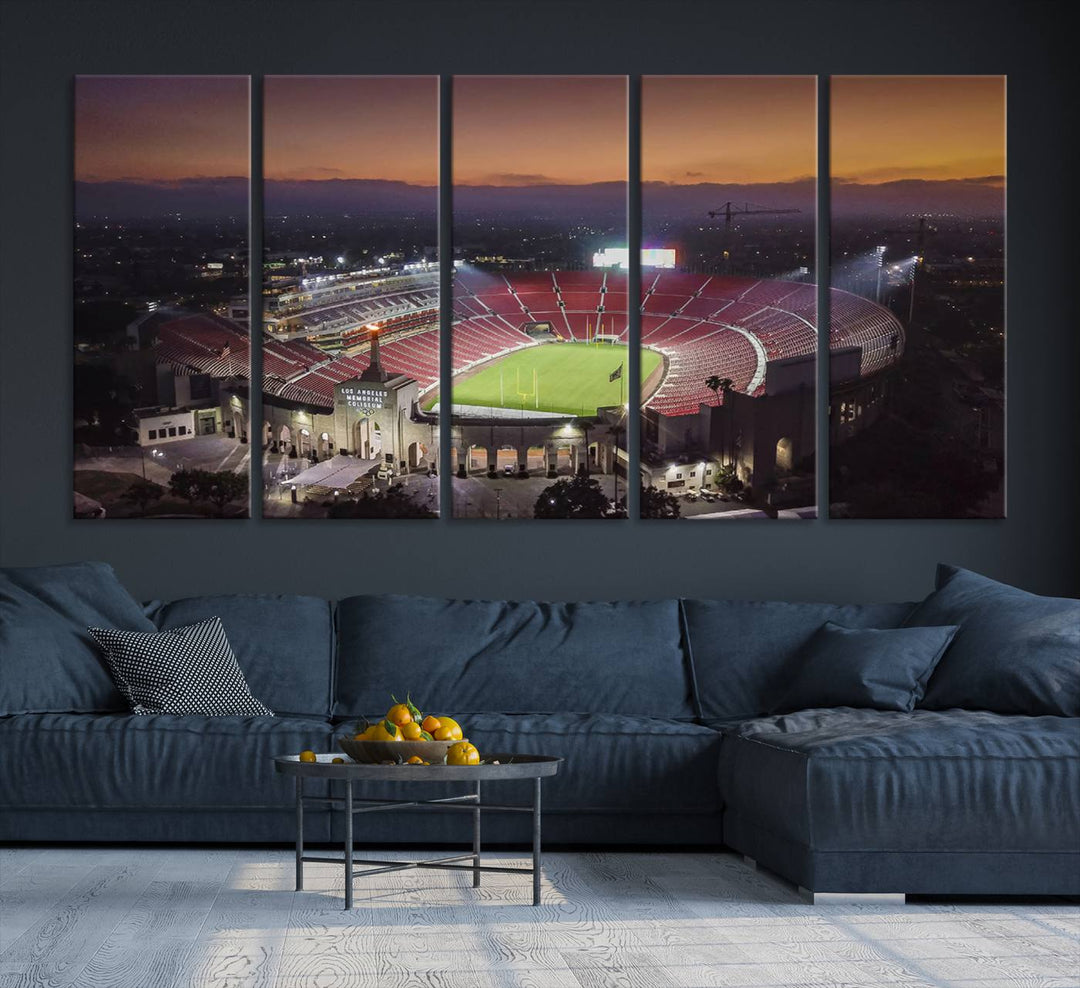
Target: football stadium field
(555,377)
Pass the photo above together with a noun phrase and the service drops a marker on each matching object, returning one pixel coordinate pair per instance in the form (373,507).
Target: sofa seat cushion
(159,761)
(864,780)
(517,657)
(284,644)
(612,763)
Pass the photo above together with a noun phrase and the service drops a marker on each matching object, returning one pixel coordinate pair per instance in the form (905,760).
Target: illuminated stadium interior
(702,325)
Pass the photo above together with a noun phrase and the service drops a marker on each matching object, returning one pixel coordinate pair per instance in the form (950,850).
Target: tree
(656,503)
(185,484)
(727,481)
(723,385)
(218,488)
(224,486)
(394,503)
(580,497)
(141,493)
(892,470)
(717,384)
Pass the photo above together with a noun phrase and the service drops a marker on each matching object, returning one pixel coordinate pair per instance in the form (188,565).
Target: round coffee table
(535,767)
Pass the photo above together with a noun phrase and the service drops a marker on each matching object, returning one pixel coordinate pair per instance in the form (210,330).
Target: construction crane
(729,209)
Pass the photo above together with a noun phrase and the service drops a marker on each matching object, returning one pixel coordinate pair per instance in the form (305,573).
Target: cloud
(693,174)
(945,171)
(519,178)
(310,172)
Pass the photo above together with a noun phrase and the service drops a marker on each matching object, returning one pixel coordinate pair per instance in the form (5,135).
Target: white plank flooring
(196,918)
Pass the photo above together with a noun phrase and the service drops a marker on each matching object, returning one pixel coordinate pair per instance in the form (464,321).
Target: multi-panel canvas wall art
(350,296)
(917,410)
(728,305)
(161,346)
(539,395)
(344,403)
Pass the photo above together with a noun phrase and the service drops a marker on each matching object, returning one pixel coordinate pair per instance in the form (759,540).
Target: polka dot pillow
(189,670)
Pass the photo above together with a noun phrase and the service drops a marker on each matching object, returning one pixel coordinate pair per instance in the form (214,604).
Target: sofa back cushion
(1015,652)
(497,656)
(742,651)
(48,661)
(284,644)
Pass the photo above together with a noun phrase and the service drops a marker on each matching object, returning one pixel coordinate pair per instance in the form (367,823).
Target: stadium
(540,368)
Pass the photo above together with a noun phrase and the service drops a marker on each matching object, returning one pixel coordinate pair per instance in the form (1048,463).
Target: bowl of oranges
(407,736)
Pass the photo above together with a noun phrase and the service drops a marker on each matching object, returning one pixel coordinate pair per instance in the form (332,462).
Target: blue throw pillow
(48,661)
(883,669)
(1015,652)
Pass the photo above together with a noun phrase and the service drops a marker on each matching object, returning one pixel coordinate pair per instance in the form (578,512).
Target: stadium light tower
(879,253)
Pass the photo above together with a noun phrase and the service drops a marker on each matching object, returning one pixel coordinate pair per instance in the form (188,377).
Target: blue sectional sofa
(663,711)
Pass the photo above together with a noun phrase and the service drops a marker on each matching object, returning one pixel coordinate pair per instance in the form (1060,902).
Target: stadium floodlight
(651,257)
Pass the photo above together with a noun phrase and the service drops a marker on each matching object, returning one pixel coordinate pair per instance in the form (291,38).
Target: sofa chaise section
(930,802)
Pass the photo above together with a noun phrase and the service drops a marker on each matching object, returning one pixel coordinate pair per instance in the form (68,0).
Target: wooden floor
(181,918)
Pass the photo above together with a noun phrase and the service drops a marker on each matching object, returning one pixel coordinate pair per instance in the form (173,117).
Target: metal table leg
(348,844)
(299,833)
(536,841)
(476,840)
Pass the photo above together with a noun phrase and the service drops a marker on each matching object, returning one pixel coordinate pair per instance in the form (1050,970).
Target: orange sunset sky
(728,129)
(528,130)
(324,127)
(161,128)
(536,130)
(886,128)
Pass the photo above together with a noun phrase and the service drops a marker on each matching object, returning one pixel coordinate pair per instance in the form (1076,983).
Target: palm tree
(717,385)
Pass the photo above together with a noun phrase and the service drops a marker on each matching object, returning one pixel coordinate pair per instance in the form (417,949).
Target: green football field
(553,377)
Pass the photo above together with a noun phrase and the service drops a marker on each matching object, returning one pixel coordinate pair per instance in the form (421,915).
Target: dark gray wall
(46,43)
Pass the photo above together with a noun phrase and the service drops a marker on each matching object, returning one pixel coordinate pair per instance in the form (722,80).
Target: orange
(416,760)
(382,732)
(411,731)
(462,753)
(368,734)
(431,724)
(308,756)
(399,714)
(337,761)
(448,730)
